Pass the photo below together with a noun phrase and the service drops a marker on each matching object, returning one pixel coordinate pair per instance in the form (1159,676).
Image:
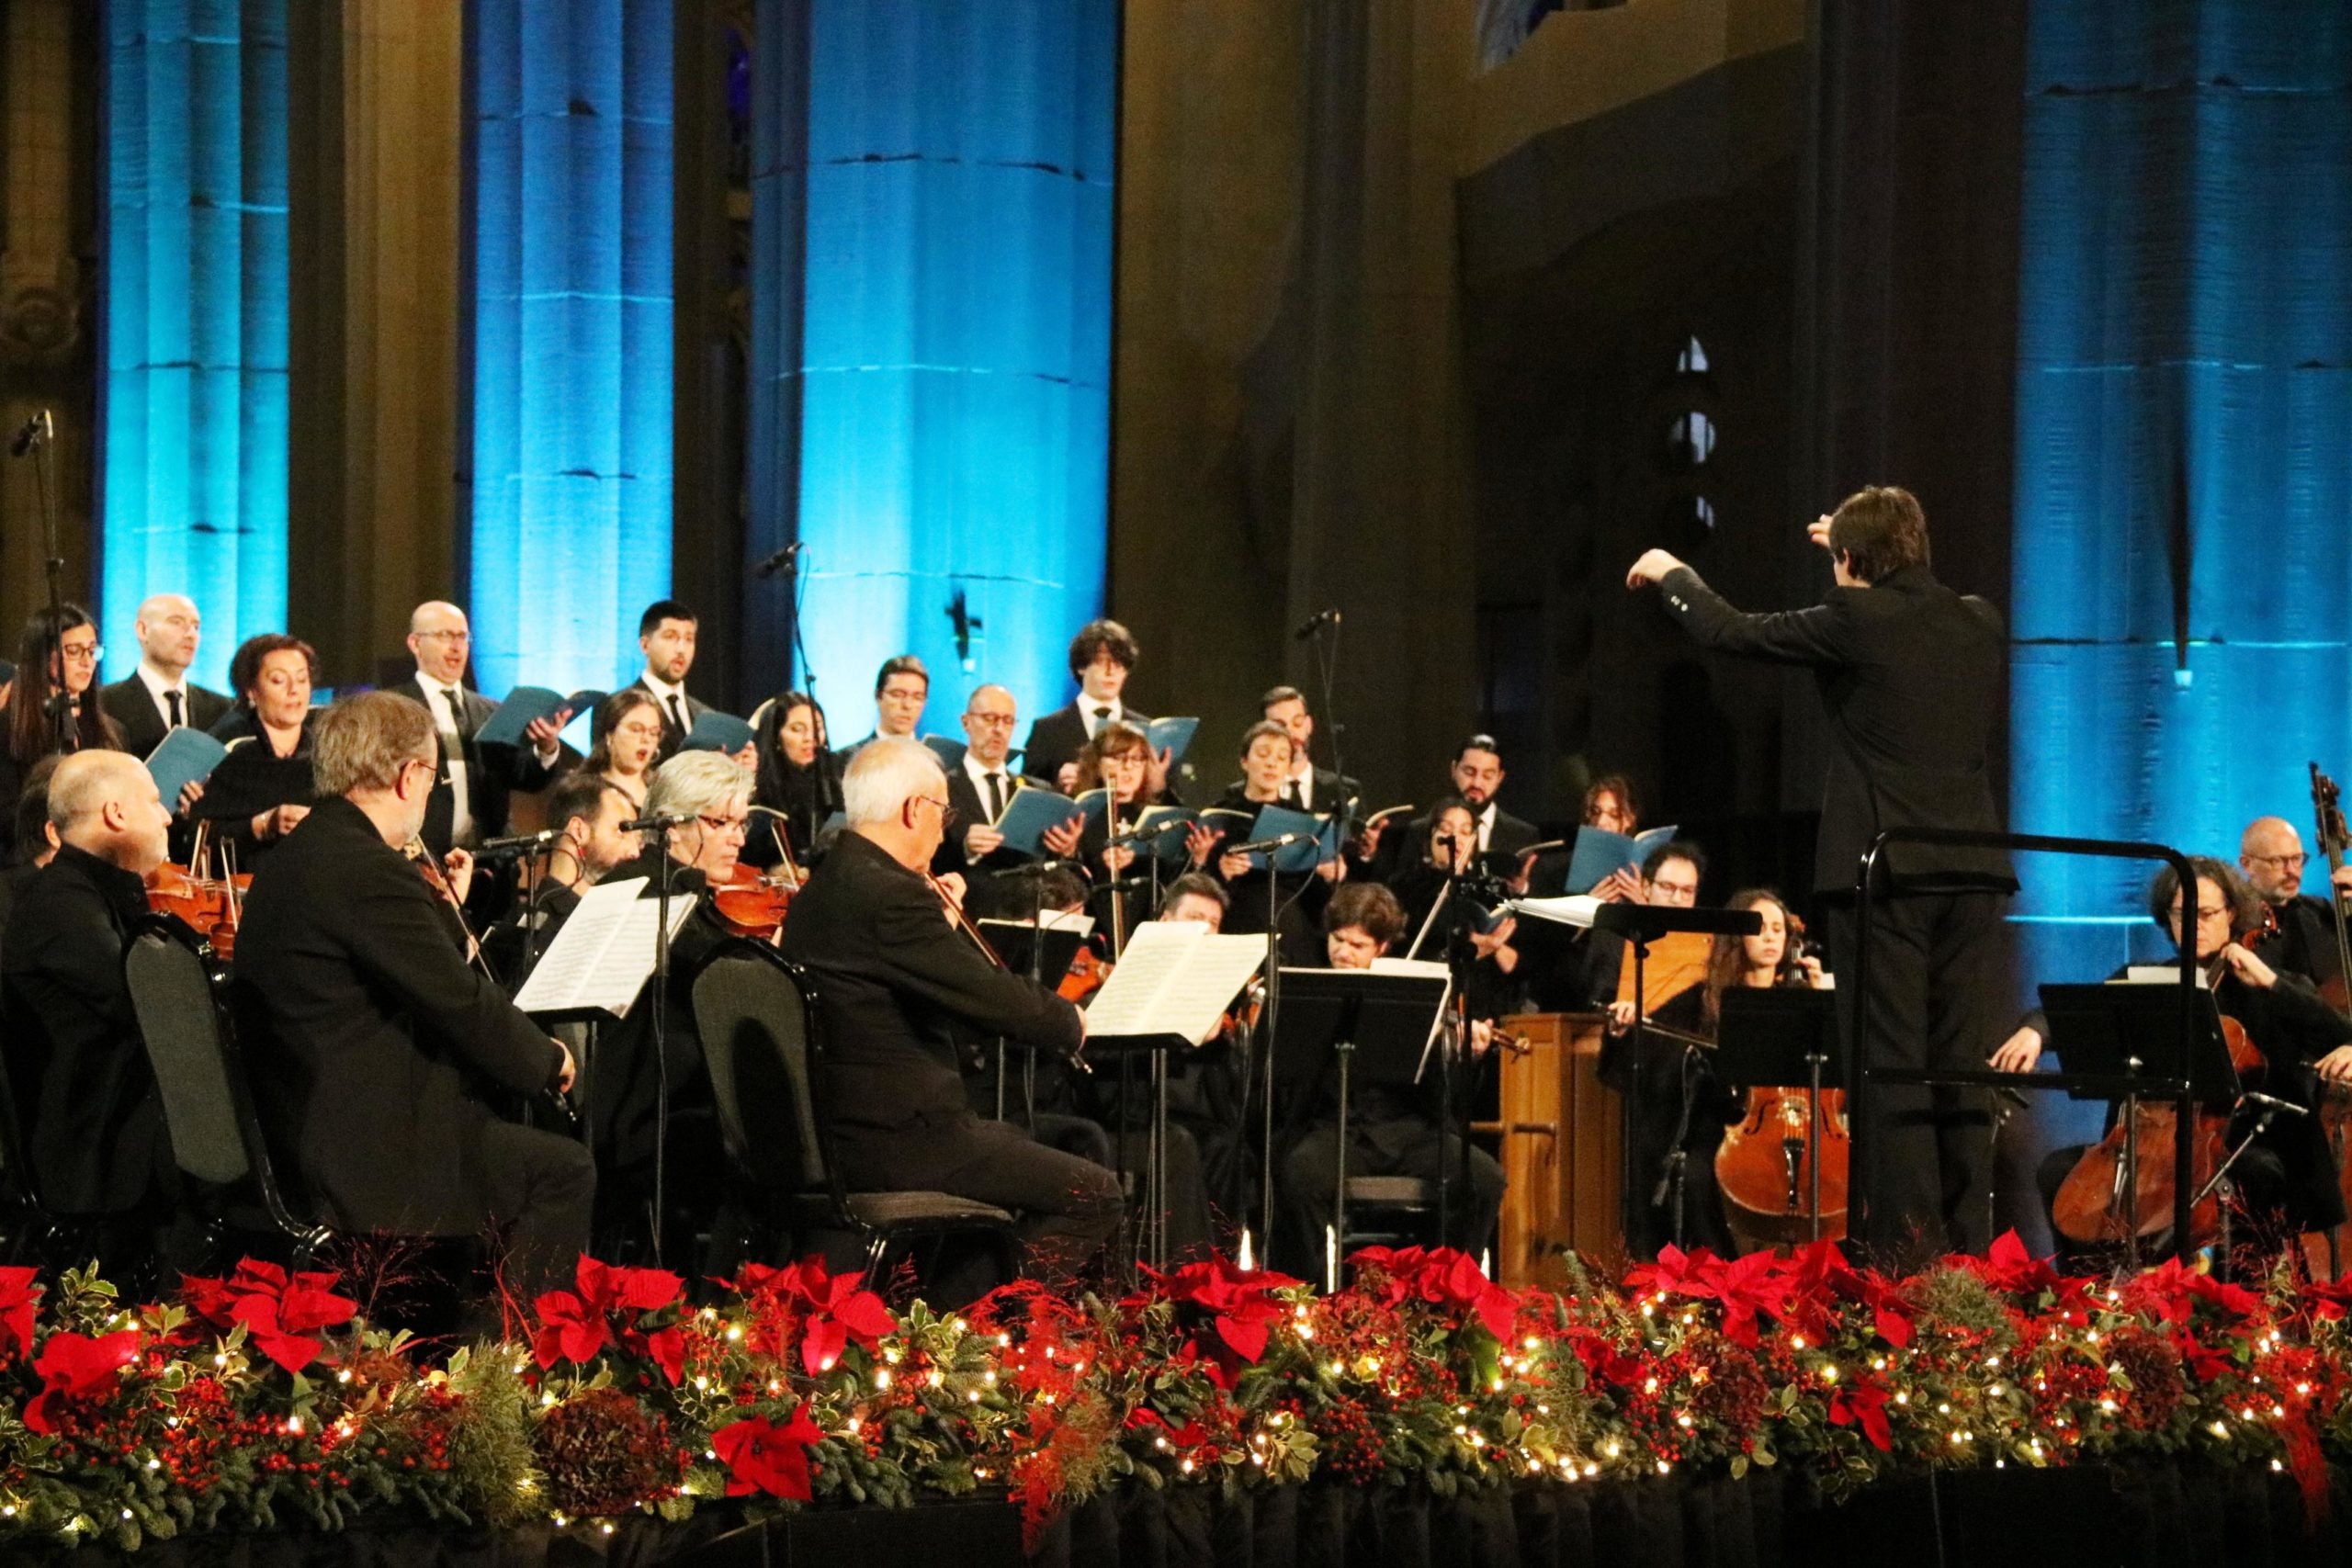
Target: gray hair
(883,776)
(363,740)
(698,783)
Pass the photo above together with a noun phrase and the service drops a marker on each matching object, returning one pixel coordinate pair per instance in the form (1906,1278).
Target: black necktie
(172,699)
(1102,716)
(678,715)
(996,796)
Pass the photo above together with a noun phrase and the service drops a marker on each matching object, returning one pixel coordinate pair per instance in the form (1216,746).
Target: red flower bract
(18,1295)
(1442,1276)
(576,1324)
(762,1457)
(838,1307)
(1241,1303)
(74,1368)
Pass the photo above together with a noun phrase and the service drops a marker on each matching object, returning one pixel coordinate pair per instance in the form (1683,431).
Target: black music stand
(1376,1027)
(1783,1038)
(2131,1033)
(1124,1048)
(1640,925)
(1013,939)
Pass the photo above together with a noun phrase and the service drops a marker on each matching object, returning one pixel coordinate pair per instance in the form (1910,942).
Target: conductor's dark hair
(1102,636)
(1880,530)
(2244,900)
(1678,849)
(1370,908)
(904,664)
(663,610)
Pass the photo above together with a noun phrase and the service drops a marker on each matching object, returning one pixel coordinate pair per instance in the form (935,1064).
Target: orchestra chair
(756,1015)
(1390,1210)
(216,1139)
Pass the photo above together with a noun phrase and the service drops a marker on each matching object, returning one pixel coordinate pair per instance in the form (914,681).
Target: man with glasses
(898,987)
(469,799)
(979,787)
(2271,854)
(2287,1179)
(389,1045)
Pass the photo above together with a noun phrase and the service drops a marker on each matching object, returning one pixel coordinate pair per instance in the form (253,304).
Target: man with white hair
(896,985)
(387,1043)
(158,697)
(96,1137)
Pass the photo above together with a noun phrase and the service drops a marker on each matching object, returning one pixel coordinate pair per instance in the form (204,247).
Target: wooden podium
(1561,1134)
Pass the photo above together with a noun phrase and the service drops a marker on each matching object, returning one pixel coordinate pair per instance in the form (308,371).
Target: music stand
(1640,925)
(1013,939)
(1782,1038)
(1373,1026)
(2129,1033)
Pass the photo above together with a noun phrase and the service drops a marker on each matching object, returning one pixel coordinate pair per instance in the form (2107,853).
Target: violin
(1087,973)
(2093,1205)
(752,903)
(212,906)
(436,878)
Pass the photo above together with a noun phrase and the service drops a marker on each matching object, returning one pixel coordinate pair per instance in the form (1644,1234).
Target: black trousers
(542,1195)
(1065,1208)
(1934,1001)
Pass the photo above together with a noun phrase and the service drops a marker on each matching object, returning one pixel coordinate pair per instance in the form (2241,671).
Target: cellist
(2286,1181)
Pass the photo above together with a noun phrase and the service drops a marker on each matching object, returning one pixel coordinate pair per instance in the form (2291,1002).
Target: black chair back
(754,1015)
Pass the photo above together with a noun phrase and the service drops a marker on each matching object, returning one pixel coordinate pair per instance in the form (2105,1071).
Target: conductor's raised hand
(1819,530)
(1652,568)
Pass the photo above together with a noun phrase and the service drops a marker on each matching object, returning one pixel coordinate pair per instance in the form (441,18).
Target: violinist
(95,1134)
(898,983)
(262,789)
(628,742)
(798,778)
(2290,1172)
(1390,1131)
(1677,1125)
(2271,854)
(66,647)
(380,1044)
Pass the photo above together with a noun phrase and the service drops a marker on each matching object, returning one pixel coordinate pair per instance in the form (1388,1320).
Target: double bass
(2328,1253)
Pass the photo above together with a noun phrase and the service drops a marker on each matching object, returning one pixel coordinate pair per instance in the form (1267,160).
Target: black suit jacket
(672,735)
(1059,737)
(1910,674)
(896,984)
(493,772)
(133,710)
(75,1059)
(964,797)
(382,1037)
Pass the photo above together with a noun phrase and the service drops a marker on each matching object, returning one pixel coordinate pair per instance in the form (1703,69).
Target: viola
(2093,1205)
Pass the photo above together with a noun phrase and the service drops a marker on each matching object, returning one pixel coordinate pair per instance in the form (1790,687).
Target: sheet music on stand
(1176,977)
(599,961)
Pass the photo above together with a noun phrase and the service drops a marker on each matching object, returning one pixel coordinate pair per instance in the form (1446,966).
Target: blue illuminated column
(2183,601)
(931,203)
(193,480)
(569,497)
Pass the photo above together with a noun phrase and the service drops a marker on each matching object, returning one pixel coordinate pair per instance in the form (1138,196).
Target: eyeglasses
(445,637)
(2206,912)
(989,720)
(724,825)
(86,653)
(948,816)
(2295,861)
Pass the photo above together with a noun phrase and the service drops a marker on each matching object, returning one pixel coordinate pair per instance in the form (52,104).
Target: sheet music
(1175,977)
(1576,910)
(605,951)
(2156,974)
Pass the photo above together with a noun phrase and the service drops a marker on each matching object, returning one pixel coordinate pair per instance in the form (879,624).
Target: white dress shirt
(979,774)
(158,684)
(446,706)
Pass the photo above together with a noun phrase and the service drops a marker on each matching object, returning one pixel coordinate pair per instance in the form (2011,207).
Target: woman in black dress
(55,657)
(799,779)
(262,788)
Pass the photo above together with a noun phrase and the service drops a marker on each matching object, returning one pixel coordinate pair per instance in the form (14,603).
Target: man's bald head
(105,804)
(440,639)
(988,717)
(2270,852)
(168,630)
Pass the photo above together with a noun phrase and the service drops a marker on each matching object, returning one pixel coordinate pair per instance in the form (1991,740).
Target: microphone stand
(661,1032)
(1269,1016)
(1326,661)
(35,442)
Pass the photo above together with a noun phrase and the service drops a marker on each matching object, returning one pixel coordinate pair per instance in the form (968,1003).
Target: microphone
(1263,846)
(1031,868)
(658,822)
(786,559)
(2270,1103)
(1316,622)
(520,844)
(38,430)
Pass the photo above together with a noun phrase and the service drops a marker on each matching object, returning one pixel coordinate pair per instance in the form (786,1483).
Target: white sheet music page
(1175,977)
(603,954)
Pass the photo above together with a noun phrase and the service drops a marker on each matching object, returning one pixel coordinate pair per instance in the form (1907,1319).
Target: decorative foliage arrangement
(261,1400)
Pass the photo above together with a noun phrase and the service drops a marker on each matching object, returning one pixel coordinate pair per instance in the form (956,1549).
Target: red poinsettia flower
(576,1324)
(282,1313)
(1191,1435)
(1821,1272)
(18,1295)
(1442,1276)
(74,1368)
(2006,1266)
(2170,1291)
(1748,1289)
(1240,1302)
(762,1457)
(1863,1400)
(839,1309)
(2328,1298)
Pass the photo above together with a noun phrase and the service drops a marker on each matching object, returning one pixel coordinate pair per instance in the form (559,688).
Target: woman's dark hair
(1110,740)
(1444,805)
(776,768)
(1621,787)
(1264,727)
(244,665)
(1727,957)
(29,726)
(2246,904)
(1102,636)
(609,714)
(1880,529)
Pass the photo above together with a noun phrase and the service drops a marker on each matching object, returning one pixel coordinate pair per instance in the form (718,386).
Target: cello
(2093,1206)
(1764,1168)
(2326,1253)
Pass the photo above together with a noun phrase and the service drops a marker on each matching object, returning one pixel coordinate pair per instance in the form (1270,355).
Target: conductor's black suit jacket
(379,1033)
(895,983)
(1910,674)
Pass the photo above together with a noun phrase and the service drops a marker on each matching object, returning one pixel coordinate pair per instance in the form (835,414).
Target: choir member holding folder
(158,697)
(479,770)
(260,791)
(1303,873)
(1101,656)
(1117,762)
(980,785)
(628,742)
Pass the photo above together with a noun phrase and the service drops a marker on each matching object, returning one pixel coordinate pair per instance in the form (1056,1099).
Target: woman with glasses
(2285,1182)
(628,742)
(57,665)
(1119,759)
(262,788)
